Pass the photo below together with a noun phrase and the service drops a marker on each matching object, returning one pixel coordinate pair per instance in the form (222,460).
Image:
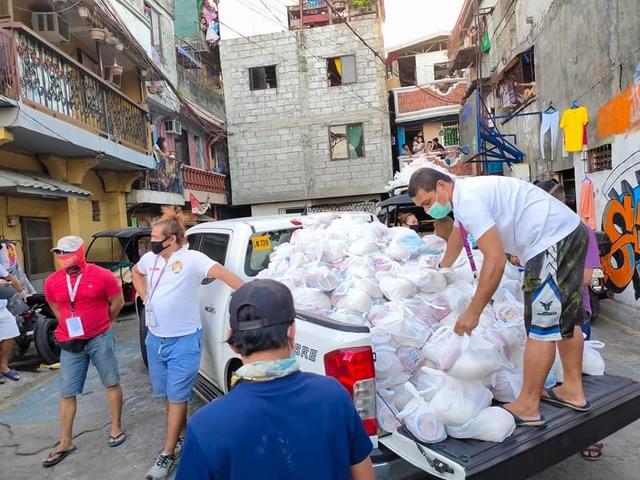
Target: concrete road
(29,420)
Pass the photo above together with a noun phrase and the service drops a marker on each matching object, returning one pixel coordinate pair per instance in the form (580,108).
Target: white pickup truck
(344,351)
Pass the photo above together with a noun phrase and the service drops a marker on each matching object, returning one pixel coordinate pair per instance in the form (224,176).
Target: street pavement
(29,419)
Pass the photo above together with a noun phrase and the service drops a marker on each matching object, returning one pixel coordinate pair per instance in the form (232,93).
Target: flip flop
(593,453)
(55,458)
(2,380)
(520,422)
(553,399)
(117,440)
(11,375)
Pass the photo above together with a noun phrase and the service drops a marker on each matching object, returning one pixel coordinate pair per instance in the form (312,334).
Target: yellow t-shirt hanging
(573,122)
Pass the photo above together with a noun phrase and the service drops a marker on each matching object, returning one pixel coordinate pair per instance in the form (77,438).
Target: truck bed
(616,403)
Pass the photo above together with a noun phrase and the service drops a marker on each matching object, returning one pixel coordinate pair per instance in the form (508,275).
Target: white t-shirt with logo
(175,300)
(528,219)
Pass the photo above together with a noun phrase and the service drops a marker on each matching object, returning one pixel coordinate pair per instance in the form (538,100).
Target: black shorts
(553,288)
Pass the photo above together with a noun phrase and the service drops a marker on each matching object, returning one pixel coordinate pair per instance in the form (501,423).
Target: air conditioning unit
(173,126)
(51,26)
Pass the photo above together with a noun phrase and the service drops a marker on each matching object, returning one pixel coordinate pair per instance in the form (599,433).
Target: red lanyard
(153,287)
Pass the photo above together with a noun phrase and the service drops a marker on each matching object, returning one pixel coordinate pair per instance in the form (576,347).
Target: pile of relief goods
(401,178)
(428,378)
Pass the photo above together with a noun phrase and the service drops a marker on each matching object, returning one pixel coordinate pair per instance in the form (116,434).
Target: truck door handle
(210,309)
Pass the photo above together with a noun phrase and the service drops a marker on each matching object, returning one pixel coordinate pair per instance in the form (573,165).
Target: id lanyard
(467,248)
(151,285)
(73,291)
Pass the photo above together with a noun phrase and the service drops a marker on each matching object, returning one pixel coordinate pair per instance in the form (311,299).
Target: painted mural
(621,222)
(621,114)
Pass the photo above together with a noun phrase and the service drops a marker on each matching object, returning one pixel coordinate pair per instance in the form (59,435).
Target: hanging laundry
(212,36)
(587,208)
(573,122)
(549,123)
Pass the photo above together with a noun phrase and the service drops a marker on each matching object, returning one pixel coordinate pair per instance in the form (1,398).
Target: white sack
(355,300)
(507,384)
(493,424)
(419,418)
(311,299)
(396,288)
(456,401)
(592,361)
(388,367)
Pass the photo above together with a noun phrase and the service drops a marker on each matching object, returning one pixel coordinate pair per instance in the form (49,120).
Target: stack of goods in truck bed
(401,178)
(428,378)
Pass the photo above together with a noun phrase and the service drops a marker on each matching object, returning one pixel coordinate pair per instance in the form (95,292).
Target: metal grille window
(261,78)
(38,242)
(95,211)
(599,158)
(450,133)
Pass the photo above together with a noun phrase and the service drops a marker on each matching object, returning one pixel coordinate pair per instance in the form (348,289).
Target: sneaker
(179,448)
(164,465)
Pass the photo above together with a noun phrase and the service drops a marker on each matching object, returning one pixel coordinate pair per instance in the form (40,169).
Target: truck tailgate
(616,403)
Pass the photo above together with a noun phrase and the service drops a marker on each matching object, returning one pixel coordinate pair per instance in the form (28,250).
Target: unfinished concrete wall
(279,138)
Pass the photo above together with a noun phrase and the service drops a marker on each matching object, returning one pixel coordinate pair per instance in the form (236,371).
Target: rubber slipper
(117,440)
(593,453)
(2,380)
(521,422)
(553,399)
(11,375)
(55,458)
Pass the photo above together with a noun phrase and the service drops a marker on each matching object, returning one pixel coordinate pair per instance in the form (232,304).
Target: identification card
(150,318)
(74,327)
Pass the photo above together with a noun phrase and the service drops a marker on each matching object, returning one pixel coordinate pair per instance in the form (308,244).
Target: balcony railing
(166,177)
(49,80)
(317,13)
(202,180)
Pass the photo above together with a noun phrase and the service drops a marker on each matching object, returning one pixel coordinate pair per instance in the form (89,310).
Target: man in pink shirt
(86,298)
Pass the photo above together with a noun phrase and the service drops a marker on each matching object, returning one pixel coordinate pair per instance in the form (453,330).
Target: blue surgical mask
(438,210)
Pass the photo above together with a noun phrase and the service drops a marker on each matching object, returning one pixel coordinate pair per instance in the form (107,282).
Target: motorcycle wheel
(45,342)
(595,305)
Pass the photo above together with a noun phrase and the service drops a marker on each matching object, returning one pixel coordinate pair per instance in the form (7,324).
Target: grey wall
(279,139)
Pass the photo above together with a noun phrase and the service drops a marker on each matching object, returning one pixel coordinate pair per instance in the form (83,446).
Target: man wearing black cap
(277,422)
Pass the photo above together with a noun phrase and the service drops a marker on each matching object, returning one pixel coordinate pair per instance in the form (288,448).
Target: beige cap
(68,244)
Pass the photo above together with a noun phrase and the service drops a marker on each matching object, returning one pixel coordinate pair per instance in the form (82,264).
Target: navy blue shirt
(299,427)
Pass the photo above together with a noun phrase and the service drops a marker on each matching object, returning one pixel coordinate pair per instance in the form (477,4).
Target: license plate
(597,273)
(260,244)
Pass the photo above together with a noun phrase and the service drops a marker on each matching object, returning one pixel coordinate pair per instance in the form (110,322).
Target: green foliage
(361,3)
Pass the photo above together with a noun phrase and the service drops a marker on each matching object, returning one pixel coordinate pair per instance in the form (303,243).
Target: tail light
(26,315)
(353,368)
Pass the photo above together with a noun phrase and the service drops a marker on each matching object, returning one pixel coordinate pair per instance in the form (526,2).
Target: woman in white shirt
(8,329)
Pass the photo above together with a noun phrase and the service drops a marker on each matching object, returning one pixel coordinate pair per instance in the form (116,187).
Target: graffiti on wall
(621,114)
(621,223)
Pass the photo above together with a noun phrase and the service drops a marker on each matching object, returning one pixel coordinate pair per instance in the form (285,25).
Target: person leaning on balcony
(418,144)
(406,150)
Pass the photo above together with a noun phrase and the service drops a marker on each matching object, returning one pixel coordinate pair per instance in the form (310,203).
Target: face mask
(72,262)
(158,247)
(415,228)
(438,210)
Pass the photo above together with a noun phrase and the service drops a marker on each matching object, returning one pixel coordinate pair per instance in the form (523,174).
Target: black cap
(272,301)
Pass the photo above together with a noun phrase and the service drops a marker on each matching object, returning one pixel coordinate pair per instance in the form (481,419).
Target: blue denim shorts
(173,365)
(101,351)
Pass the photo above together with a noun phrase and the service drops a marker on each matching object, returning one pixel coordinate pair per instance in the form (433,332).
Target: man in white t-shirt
(509,215)
(167,279)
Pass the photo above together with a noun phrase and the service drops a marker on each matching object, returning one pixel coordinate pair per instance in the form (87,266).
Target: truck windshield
(260,247)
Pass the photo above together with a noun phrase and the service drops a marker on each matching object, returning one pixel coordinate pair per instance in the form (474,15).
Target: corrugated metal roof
(11,179)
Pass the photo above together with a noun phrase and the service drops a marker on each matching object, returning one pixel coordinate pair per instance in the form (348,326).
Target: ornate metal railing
(202,180)
(50,80)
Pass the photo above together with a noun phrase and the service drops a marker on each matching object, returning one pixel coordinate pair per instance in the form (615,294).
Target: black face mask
(415,228)
(158,247)
(73,271)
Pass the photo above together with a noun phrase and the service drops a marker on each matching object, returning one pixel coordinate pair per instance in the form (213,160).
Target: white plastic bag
(427,382)
(363,246)
(493,424)
(387,421)
(427,280)
(396,288)
(506,384)
(355,300)
(322,277)
(346,316)
(456,401)
(421,421)
(592,361)
(389,370)
(405,244)
(411,358)
(478,358)
(311,299)
(334,251)
(458,297)
(397,396)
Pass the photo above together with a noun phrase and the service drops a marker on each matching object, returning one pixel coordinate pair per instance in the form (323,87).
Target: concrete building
(307,114)
(542,57)
(426,99)
(74,126)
